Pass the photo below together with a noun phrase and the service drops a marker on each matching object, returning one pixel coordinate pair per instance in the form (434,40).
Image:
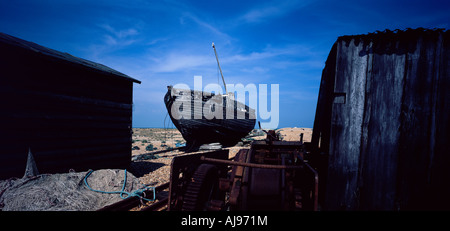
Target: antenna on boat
(217,58)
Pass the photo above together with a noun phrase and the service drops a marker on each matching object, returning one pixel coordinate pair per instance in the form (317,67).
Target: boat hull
(204,118)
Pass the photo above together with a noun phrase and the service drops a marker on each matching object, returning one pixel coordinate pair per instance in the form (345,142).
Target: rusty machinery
(271,175)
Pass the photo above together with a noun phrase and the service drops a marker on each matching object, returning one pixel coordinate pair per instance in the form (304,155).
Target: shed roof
(13,41)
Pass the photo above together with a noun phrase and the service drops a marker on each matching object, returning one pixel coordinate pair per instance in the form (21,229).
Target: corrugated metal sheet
(383,118)
(72,115)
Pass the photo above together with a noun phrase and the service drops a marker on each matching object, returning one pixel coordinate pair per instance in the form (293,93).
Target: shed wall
(382,119)
(70,116)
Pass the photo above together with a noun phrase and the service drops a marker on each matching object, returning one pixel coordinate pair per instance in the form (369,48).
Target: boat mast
(217,58)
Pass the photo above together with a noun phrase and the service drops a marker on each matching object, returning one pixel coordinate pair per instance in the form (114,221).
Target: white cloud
(256,70)
(119,33)
(271,54)
(179,62)
(119,37)
(183,61)
(157,40)
(257,15)
(208,26)
(273,9)
(111,39)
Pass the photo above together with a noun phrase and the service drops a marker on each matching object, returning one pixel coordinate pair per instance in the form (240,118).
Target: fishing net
(65,192)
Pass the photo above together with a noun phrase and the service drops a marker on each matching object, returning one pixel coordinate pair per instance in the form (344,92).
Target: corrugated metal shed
(71,112)
(383,120)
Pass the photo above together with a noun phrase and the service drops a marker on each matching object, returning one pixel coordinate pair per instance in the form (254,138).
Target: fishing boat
(204,117)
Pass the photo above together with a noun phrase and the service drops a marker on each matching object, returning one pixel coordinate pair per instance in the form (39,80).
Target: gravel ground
(154,172)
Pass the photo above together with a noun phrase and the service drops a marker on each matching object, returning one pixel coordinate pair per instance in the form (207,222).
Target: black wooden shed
(72,113)
(383,121)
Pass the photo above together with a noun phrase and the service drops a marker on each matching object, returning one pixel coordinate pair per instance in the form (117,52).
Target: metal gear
(201,189)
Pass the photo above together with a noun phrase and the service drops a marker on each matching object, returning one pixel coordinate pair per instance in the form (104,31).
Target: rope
(137,193)
(165,128)
(170,125)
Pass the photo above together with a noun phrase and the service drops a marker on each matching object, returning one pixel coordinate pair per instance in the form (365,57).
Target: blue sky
(168,42)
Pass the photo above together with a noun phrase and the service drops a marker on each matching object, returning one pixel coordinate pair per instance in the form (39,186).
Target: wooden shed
(382,121)
(70,112)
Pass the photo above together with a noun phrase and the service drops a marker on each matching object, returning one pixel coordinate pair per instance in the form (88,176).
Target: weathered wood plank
(388,142)
(348,108)
(381,125)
